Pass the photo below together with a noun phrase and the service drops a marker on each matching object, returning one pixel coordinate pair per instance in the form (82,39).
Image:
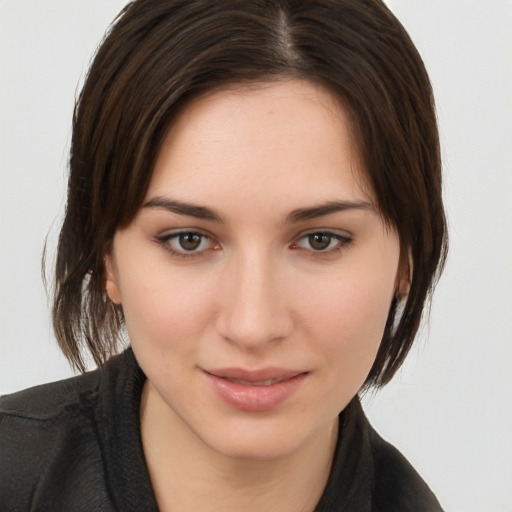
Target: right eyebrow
(182,208)
(327,208)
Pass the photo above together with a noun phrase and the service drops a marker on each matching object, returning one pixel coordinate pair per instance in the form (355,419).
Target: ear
(111,281)
(404,285)
(404,276)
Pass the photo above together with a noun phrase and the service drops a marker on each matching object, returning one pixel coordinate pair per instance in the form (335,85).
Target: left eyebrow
(325,209)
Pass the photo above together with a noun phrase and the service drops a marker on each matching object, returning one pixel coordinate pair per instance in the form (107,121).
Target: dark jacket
(75,445)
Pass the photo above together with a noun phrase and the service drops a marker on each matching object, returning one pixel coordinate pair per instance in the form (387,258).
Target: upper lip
(260,375)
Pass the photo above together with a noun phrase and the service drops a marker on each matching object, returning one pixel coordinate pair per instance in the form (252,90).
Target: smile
(267,382)
(255,391)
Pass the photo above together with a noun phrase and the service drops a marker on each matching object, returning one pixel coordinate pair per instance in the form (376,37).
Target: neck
(186,474)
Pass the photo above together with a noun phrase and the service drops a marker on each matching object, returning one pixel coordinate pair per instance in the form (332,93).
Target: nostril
(252,309)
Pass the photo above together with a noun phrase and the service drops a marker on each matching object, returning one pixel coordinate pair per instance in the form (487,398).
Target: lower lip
(255,398)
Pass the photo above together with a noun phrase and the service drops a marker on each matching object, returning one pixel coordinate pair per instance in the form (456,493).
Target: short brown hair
(161,54)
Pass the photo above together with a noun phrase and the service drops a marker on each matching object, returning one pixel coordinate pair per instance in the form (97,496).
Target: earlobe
(111,286)
(404,278)
(404,285)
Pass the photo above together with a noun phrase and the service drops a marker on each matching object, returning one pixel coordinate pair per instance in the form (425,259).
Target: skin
(256,292)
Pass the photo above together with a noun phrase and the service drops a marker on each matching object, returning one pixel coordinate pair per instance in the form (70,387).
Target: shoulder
(397,485)
(368,474)
(62,399)
(49,443)
(47,402)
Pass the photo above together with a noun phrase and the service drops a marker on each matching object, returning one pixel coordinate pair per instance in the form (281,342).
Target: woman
(255,200)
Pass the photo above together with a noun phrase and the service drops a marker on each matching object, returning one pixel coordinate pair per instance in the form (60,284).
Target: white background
(450,409)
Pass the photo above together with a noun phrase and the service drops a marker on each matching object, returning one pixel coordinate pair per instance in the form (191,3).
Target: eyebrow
(300,214)
(326,208)
(182,208)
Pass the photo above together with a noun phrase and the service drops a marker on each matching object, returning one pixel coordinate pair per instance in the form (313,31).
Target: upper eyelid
(341,242)
(336,236)
(165,234)
(174,232)
(164,240)
(342,233)
(170,233)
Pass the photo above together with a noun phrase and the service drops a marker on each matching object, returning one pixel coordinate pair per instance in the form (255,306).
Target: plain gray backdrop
(450,408)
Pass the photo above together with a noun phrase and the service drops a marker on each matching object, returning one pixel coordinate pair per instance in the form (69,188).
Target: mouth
(255,391)
(262,377)
(267,382)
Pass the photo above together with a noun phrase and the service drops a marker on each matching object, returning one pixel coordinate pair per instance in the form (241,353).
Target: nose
(254,309)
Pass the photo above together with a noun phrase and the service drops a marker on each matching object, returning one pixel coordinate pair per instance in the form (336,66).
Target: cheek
(349,333)
(163,308)
(347,320)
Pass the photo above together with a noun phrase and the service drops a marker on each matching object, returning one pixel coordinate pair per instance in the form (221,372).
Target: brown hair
(160,54)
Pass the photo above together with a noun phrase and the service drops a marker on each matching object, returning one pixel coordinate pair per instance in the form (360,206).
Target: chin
(263,439)
(257,449)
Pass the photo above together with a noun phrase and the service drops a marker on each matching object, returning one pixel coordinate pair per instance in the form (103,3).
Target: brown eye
(189,241)
(322,242)
(319,241)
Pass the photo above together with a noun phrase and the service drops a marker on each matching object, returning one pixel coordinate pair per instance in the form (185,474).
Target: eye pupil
(319,241)
(189,241)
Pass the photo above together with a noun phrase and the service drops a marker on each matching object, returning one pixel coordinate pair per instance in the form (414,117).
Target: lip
(255,391)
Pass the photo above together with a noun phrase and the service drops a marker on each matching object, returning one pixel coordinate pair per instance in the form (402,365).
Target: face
(257,277)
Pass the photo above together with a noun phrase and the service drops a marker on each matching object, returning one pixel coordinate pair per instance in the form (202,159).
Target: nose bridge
(253,310)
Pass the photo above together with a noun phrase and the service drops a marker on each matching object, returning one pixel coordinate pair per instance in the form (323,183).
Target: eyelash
(165,240)
(342,242)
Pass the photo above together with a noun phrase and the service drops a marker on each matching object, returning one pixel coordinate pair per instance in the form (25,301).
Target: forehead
(289,138)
